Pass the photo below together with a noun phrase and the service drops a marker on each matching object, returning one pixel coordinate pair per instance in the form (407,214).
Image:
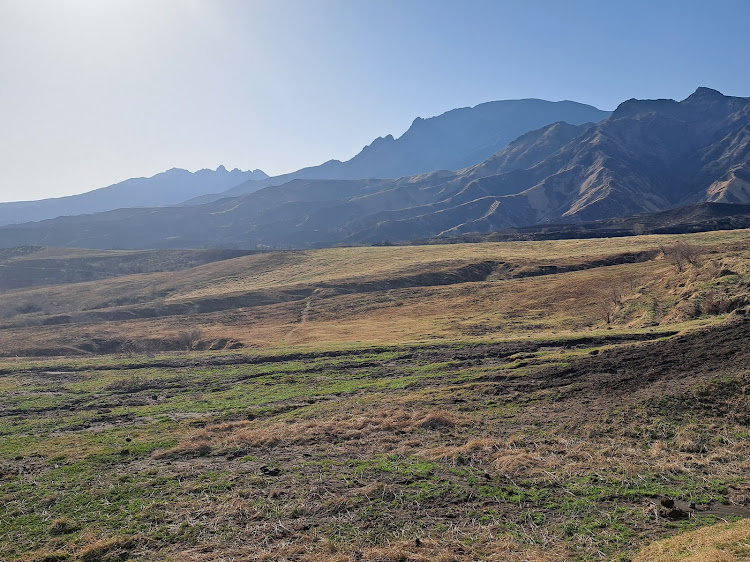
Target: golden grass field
(369,295)
(492,401)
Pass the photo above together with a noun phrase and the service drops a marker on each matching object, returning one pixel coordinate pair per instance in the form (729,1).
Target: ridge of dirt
(496,349)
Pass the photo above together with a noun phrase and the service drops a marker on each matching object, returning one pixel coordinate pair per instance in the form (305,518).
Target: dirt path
(306,311)
(303,317)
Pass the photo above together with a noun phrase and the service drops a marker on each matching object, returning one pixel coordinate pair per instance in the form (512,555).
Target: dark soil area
(655,369)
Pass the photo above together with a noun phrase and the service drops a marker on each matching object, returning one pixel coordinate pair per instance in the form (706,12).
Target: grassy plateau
(560,400)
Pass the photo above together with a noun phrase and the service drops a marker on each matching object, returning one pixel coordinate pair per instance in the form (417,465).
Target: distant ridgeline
(168,188)
(647,157)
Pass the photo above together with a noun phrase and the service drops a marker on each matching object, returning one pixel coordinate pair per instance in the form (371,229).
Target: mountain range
(647,156)
(167,188)
(451,141)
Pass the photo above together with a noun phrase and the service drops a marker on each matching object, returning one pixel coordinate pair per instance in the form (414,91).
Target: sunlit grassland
(437,419)
(334,310)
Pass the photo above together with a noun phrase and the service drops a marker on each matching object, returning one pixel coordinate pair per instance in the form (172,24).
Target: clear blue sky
(97,91)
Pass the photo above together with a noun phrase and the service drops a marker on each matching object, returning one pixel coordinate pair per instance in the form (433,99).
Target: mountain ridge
(165,188)
(453,140)
(648,156)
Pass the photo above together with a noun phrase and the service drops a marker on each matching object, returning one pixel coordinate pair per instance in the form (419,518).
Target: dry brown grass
(633,295)
(198,444)
(472,448)
(360,471)
(387,424)
(487,543)
(478,462)
(548,305)
(106,549)
(725,542)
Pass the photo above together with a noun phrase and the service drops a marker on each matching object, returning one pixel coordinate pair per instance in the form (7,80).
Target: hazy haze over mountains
(453,140)
(649,155)
(168,188)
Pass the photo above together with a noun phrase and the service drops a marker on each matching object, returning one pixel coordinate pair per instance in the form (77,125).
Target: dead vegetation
(560,460)
(724,542)
(565,458)
(681,253)
(390,425)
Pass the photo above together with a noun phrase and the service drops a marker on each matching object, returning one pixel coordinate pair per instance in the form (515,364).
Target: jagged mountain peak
(703,93)
(703,99)
(453,140)
(633,107)
(462,137)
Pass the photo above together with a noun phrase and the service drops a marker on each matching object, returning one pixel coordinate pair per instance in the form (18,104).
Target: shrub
(681,253)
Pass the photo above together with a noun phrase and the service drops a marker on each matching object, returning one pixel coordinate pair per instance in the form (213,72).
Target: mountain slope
(167,188)
(299,213)
(454,140)
(242,222)
(648,156)
(462,137)
(701,217)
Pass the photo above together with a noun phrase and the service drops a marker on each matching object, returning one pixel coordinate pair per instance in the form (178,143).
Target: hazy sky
(97,91)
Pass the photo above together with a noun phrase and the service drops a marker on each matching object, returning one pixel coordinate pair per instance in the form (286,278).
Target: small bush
(189,339)
(715,303)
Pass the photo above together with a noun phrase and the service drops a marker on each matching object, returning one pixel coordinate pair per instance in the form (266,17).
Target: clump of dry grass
(725,542)
(198,444)
(510,461)
(689,440)
(105,549)
(50,499)
(487,543)
(62,526)
(46,555)
(260,436)
(388,424)
(474,447)
(437,419)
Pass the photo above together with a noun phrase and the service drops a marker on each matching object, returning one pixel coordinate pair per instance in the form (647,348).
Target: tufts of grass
(728,541)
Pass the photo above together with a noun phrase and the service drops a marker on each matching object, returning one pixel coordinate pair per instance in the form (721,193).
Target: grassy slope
(496,419)
(33,266)
(375,295)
